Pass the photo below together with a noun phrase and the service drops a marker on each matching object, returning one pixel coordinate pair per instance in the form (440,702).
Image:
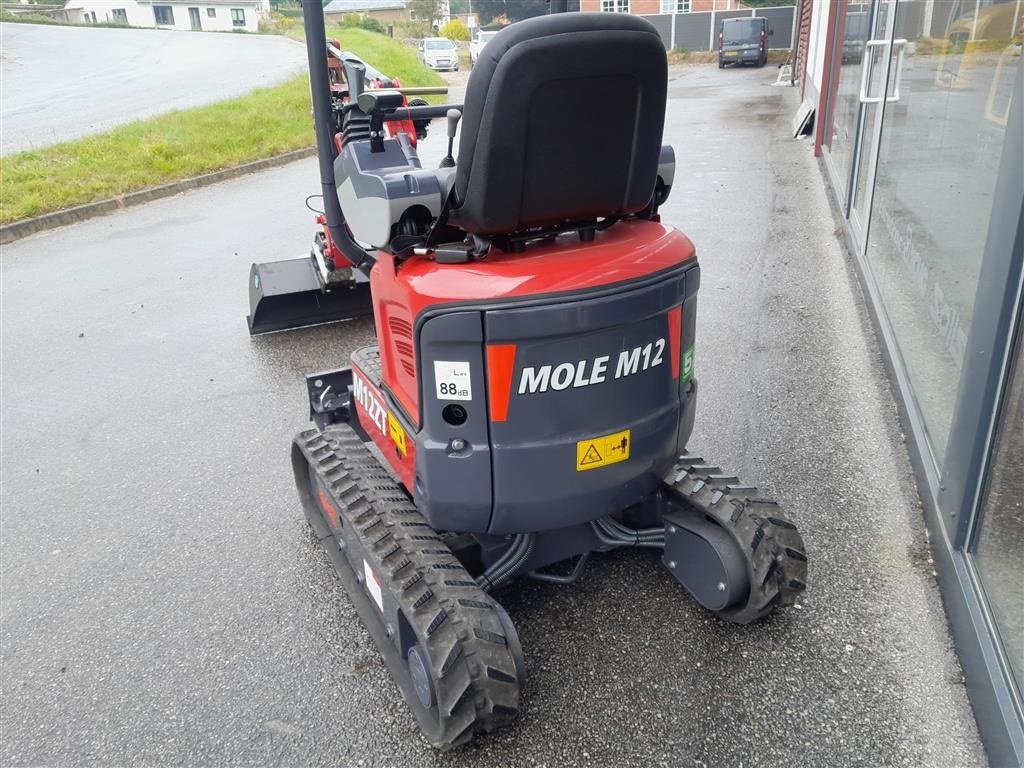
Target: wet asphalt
(164,603)
(61,82)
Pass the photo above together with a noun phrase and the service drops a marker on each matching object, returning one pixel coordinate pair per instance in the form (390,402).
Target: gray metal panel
(943,15)
(910,19)
(720,16)
(664,26)
(693,31)
(537,484)
(453,488)
(780,20)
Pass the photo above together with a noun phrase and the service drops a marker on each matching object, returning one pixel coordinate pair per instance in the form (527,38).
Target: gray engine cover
(524,473)
(376,188)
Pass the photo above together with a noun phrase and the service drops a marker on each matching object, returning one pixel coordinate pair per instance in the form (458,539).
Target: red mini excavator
(322,287)
(531,393)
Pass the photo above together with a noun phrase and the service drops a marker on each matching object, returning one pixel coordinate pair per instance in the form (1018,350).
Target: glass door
(875,89)
(853,28)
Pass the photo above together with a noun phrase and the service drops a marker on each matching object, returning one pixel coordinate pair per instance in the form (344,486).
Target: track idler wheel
(751,558)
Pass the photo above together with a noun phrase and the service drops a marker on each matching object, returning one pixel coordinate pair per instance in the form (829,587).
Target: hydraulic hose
(616,528)
(509,564)
(614,534)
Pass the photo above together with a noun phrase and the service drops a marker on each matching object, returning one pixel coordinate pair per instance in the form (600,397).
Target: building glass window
(120,15)
(675,6)
(163,14)
(937,167)
(237,17)
(615,6)
(999,541)
(918,127)
(211,12)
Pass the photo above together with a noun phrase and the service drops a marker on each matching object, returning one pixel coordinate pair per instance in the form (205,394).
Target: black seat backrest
(562,122)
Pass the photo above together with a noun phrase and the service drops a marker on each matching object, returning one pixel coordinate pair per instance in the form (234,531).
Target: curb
(19,229)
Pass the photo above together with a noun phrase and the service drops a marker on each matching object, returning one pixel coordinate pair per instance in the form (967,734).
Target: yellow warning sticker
(397,433)
(597,452)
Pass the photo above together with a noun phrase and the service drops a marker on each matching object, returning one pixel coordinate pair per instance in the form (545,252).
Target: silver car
(439,53)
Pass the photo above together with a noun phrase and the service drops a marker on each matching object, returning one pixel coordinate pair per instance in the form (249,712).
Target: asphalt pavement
(60,83)
(164,603)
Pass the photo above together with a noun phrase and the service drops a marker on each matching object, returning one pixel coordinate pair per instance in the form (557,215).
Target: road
(64,82)
(164,603)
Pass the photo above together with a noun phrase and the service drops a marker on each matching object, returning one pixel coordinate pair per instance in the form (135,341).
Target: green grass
(147,153)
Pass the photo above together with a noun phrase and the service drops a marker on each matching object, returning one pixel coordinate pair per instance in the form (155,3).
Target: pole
(323,125)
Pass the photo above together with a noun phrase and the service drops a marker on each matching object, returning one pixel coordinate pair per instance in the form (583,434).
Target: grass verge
(683,56)
(185,143)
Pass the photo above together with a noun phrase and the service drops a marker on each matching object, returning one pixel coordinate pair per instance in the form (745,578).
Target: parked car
(478,44)
(439,53)
(743,40)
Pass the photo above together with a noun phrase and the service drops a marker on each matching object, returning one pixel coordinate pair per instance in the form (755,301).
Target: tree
(425,10)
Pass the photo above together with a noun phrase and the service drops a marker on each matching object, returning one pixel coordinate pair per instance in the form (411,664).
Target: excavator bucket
(289,294)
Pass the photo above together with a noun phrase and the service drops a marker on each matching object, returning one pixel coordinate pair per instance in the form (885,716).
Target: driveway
(164,603)
(64,82)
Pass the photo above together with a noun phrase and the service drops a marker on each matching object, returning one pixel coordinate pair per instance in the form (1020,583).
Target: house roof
(362,6)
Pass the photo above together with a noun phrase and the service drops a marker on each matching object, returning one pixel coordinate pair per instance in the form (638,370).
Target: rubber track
(474,672)
(776,559)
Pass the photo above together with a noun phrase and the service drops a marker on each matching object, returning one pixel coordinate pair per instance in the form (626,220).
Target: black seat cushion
(562,122)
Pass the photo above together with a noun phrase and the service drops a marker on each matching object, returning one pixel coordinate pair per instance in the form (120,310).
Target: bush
(371,24)
(455,30)
(276,24)
(413,29)
(27,18)
(363,21)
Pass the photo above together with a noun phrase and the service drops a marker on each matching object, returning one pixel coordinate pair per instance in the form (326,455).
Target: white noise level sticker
(373,586)
(452,380)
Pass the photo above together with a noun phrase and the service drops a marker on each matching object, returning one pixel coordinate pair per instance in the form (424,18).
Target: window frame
(211,13)
(615,6)
(161,9)
(675,6)
(239,20)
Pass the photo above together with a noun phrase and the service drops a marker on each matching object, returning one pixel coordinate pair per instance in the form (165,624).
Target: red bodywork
(384,427)
(629,251)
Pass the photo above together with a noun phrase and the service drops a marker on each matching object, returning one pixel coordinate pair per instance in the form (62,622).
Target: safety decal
(688,365)
(452,380)
(397,434)
(373,586)
(601,451)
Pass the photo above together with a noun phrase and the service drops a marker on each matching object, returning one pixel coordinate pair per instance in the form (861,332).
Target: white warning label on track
(373,586)
(452,380)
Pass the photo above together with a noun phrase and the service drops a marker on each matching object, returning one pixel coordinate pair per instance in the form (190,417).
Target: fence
(699,31)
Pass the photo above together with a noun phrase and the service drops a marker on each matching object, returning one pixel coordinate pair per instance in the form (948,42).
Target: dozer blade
(451,649)
(288,294)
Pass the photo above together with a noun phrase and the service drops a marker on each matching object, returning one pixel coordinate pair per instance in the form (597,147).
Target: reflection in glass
(937,167)
(854,29)
(999,543)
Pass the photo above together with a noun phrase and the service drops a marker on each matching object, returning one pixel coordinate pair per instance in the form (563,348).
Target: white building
(206,16)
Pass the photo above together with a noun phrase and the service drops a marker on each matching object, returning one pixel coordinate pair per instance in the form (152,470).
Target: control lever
(454,116)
